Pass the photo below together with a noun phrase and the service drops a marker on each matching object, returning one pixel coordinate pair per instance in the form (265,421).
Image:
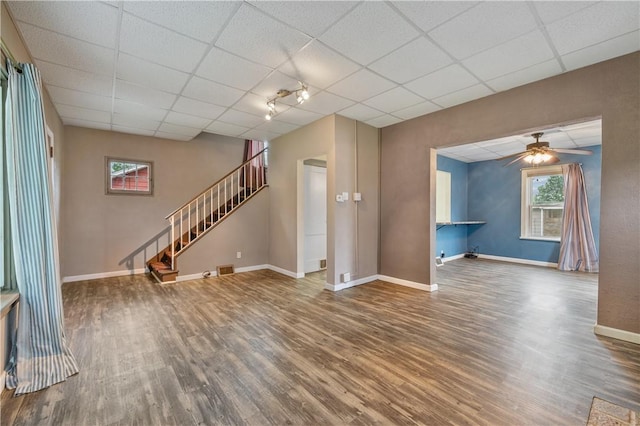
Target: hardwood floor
(497,344)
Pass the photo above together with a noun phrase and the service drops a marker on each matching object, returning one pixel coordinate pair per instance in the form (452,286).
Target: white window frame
(527,174)
(107,168)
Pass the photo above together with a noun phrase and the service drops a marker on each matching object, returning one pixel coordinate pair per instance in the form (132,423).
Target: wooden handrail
(215,184)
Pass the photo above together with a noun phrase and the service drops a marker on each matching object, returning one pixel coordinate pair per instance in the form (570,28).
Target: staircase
(194,219)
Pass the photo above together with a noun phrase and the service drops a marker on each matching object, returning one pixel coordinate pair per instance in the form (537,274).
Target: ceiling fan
(539,152)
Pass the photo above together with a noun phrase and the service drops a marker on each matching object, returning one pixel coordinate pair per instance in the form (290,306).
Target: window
(542,203)
(129,176)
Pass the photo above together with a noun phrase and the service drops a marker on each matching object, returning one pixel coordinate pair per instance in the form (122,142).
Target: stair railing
(195,217)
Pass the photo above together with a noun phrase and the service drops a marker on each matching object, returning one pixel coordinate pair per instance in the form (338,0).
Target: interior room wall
(609,89)
(333,136)
(285,152)
(494,196)
(453,239)
(112,233)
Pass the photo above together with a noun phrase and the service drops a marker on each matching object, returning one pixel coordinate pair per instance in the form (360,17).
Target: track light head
(302,94)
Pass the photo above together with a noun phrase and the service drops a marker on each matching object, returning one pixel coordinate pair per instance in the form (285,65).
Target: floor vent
(323,263)
(224,270)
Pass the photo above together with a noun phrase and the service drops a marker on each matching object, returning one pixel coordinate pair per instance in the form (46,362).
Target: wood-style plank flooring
(497,344)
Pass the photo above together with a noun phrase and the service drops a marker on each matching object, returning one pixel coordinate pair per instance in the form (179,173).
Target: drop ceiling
(579,135)
(175,69)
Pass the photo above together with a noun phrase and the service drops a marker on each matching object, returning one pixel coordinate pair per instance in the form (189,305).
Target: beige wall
(333,136)
(109,233)
(609,89)
(17,47)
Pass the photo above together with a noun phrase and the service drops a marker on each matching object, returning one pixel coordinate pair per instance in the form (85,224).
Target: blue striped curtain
(40,355)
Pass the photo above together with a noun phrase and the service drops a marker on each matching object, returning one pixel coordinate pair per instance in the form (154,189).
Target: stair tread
(159,266)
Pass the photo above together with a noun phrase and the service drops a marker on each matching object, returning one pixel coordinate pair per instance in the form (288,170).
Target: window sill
(551,240)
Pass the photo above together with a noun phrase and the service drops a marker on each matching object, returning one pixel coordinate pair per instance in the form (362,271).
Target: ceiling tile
(231,70)
(584,132)
(275,126)
(483,26)
(418,58)
(368,32)
(127,120)
(173,136)
(325,103)
(429,14)
(228,129)
(198,19)
(594,24)
(197,108)
(524,76)
(90,21)
(208,91)
(136,70)
(260,134)
(69,78)
(178,130)
(441,82)
(86,124)
(139,110)
(159,45)
(361,85)
(68,111)
(360,112)
(257,37)
(298,116)
(417,110)
(588,141)
(67,51)
(187,120)
(393,100)
(522,52)
(384,121)
(608,49)
(464,95)
(318,65)
(240,118)
(60,95)
(143,95)
(550,11)
(133,131)
(310,17)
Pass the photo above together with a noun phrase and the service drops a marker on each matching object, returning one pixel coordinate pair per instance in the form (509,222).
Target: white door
(315,217)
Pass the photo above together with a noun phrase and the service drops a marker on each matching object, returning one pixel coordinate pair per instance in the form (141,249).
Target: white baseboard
(615,333)
(518,260)
(454,257)
(285,272)
(406,283)
(342,286)
(122,273)
(214,273)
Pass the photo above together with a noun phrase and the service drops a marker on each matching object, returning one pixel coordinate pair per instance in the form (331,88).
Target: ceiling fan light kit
(301,93)
(539,152)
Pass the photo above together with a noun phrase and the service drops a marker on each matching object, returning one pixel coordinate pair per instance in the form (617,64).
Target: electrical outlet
(238,255)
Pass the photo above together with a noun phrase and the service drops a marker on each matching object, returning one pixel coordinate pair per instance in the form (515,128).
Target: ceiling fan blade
(523,154)
(572,151)
(511,155)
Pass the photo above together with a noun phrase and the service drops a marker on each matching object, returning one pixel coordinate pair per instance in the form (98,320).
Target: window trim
(107,183)
(525,196)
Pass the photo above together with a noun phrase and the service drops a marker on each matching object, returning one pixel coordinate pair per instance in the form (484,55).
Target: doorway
(315,214)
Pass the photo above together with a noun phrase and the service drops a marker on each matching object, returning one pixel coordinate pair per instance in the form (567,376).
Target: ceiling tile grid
(170,68)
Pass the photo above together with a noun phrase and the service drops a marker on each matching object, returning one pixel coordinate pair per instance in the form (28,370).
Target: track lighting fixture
(301,93)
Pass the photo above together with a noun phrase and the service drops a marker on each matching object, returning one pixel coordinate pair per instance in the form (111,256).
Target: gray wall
(609,89)
(333,136)
(108,233)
